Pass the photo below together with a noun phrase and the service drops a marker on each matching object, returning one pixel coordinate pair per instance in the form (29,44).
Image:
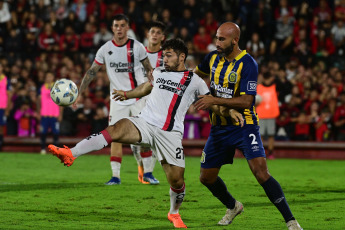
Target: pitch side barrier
(283,149)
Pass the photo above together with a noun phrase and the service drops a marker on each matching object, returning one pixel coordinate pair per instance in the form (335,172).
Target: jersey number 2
(254,142)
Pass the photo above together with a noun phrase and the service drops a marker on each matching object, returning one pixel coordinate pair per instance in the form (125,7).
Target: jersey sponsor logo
(232,77)
(110,53)
(171,89)
(171,83)
(251,86)
(221,91)
(122,67)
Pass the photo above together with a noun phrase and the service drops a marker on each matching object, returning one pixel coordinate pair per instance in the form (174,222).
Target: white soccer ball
(64,92)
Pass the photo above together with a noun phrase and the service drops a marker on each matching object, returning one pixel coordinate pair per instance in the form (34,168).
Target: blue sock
(276,195)
(43,141)
(220,191)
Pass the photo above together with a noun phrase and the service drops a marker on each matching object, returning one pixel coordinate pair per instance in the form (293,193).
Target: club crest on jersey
(130,52)
(232,78)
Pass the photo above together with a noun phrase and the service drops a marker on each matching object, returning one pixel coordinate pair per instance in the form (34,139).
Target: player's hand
(150,75)
(235,115)
(119,95)
(204,102)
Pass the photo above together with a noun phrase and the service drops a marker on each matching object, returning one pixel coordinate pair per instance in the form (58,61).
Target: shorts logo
(251,86)
(232,77)
(203,157)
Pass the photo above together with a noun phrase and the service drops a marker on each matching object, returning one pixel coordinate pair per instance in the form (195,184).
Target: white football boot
(231,214)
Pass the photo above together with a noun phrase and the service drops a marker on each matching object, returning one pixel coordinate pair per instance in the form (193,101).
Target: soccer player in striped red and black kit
(122,58)
(159,125)
(155,37)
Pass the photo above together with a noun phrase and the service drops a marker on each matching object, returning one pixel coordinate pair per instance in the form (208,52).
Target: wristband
(124,94)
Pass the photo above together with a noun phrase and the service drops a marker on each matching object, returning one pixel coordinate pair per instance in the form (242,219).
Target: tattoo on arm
(89,76)
(147,65)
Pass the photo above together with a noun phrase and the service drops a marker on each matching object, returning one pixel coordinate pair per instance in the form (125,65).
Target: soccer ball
(64,92)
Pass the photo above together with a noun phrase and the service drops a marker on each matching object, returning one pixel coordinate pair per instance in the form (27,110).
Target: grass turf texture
(38,192)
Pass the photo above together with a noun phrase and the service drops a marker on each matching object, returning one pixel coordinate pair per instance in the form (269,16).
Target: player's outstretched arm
(140,91)
(88,77)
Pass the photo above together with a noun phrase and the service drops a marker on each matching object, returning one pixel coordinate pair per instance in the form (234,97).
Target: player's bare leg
(175,177)
(115,163)
(272,188)
(123,131)
(209,177)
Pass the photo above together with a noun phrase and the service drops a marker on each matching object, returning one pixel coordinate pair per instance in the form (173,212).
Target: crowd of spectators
(300,43)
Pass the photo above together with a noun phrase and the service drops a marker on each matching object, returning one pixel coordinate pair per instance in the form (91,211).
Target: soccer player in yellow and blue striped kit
(233,75)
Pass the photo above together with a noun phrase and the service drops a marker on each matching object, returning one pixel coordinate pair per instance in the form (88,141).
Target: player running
(159,125)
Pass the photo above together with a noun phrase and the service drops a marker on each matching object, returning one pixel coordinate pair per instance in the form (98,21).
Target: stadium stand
(306,57)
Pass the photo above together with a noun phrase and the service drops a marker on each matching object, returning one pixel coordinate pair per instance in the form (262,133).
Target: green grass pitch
(38,192)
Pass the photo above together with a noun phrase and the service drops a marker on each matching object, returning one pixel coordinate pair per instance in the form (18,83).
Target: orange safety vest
(269,107)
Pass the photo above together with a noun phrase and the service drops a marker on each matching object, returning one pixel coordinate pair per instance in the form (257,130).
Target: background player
(233,74)
(155,37)
(5,102)
(122,57)
(50,114)
(159,125)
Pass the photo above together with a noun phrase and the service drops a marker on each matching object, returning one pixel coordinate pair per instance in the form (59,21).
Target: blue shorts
(49,122)
(2,117)
(224,140)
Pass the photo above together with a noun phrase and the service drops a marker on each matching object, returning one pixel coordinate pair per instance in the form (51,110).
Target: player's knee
(206,180)
(176,182)
(262,176)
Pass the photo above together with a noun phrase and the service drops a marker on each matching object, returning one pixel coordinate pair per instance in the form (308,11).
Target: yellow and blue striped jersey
(231,79)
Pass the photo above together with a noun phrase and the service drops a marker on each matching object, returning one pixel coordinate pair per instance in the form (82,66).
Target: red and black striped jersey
(170,98)
(123,65)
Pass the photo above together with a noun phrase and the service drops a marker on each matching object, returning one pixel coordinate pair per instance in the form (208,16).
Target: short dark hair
(177,45)
(119,17)
(159,25)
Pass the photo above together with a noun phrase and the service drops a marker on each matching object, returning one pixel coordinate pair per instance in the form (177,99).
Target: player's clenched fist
(119,95)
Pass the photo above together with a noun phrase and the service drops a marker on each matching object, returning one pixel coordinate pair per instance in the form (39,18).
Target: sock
(56,139)
(219,190)
(1,140)
(94,142)
(136,154)
(43,141)
(153,162)
(276,195)
(146,158)
(176,198)
(115,163)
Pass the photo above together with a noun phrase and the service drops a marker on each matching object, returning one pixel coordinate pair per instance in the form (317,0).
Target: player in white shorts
(155,37)
(123,58)
(159,125)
